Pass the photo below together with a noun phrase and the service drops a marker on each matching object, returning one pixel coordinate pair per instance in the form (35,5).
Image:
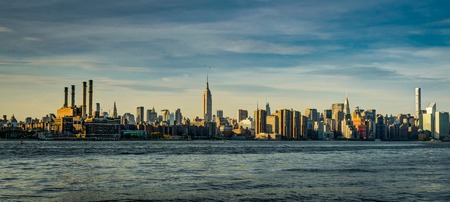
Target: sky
(291,53)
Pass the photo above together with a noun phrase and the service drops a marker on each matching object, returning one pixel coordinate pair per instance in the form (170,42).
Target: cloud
(31,39)
(5,29)
(370,73)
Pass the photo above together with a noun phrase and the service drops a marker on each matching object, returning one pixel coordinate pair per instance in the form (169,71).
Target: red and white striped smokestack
(66,91)
(91,92)
(73,96)
(83,108)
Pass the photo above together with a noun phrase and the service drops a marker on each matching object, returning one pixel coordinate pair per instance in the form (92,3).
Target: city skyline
(295,54)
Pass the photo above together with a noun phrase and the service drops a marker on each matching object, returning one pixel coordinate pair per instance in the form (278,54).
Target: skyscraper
(165,115)
(442,125)
(152,116)
(347,109)
(418,107)
(268,109)
(140,115)
(284,123)
(260,121)
(219,113)
(178,117)
(242,115)
(207,102)
(115,110)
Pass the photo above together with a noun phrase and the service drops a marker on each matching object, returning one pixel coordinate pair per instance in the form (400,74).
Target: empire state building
(207,102)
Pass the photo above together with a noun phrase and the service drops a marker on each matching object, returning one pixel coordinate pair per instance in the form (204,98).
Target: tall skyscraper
(418,107)
(428,119)
(178,117)
(165,115)
(295,124)
(140,114)
(207,102)
(242,115)
(442,125)
(268,109)
(284,121)
(311,114)
(260,121)
(115,110)
(152,116)
(347,109)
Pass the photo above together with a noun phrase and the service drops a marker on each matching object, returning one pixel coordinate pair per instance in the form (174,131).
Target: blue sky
(295,54)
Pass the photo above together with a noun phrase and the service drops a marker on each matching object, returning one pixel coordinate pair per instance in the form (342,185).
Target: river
(224,171)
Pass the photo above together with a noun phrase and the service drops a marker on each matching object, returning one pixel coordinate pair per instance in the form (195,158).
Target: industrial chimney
(66,91)
(91,92)
(73,96)
(83,108)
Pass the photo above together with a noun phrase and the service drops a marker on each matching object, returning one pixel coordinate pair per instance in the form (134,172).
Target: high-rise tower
(115,110)
(207,102)
(347,108)
(418,107)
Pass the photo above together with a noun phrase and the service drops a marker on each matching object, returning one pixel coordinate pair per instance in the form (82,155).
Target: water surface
(224,171)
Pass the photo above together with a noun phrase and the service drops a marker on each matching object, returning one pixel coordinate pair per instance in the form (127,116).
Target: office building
(284,123)
(178,117)
(140,114)
(442,125)
(207,103)
(260,121)
(418,107)
(242,115)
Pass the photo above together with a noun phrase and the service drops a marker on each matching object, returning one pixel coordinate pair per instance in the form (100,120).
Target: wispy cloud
(5,29)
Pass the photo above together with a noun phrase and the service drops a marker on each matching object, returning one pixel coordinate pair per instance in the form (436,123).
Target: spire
(346,107)
(207,81)
(115,110)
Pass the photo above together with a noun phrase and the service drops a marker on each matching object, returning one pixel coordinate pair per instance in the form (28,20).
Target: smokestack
(91,92)
(73,96)
(66,91)
(83,108)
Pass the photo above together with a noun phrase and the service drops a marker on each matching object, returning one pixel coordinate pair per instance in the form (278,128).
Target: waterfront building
(442,125)
(260,121)
(128,119)
(347,109)
(140,114)
(165,115)
(242,115)
(284,123)
(295,124)
(428,119)
(418,107)
(178,117)
(152,115)
(246,124)
(171,119)
(337,111)
(272,124)
(311,114)
(207,103)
